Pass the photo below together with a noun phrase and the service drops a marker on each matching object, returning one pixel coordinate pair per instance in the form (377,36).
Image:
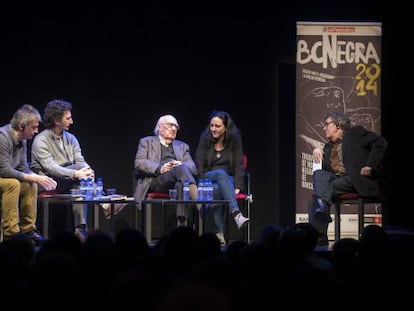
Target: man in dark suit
(164,163)
(350,160)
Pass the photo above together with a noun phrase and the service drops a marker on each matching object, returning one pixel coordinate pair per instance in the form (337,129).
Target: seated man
(163,163)
(350,159)
(18,184)
(57,153)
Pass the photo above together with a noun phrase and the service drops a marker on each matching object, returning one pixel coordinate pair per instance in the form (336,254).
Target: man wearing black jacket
(350,160)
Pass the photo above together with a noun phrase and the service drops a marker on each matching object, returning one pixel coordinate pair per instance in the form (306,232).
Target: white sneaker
(241,221)
(220,236)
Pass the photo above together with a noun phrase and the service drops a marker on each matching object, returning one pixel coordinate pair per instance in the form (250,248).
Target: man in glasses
(163,163)
(350,160)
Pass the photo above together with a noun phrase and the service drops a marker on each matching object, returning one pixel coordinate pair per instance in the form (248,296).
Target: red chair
(151,198)
(247,199)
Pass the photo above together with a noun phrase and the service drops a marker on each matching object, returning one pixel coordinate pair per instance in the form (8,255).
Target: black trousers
(174,179)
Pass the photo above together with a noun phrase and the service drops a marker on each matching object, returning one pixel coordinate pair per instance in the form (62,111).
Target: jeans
(223,185)
(326,186)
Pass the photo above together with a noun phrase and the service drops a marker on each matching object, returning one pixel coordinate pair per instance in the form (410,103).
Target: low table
(70,199)
(146,219)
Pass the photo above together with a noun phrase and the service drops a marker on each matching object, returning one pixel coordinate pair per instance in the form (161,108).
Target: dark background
(123,64)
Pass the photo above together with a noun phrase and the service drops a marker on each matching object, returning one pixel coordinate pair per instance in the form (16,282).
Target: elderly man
(163,163)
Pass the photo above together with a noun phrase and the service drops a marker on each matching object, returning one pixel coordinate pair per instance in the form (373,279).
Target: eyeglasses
(327,123)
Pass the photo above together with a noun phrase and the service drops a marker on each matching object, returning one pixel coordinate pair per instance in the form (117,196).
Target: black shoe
(323,216)
(322,211)
(323,241)
(181,221)
(36,238)
(81,232)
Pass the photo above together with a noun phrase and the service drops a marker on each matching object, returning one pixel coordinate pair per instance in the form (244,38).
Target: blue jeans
(223,185)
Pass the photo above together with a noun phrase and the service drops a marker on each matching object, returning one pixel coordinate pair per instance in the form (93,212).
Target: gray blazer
(148,158)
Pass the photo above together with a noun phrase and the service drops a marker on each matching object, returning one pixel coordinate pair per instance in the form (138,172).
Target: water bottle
(99,188)
(200,189)
(186,191)
(208,190)
(82,187)
(89,189)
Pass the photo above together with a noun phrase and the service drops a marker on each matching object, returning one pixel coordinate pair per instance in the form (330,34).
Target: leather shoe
(80,233)
(117,208)
(322,240)
(181,221)
(323,216)
(36,238)
(322,211)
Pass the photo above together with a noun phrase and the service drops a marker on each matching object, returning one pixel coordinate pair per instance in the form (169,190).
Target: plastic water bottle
(186,191)
(200,189)
(99,188)
(82,187)
(89,189)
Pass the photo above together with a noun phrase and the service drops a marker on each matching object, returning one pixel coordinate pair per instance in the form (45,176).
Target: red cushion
(241,196)
(158,195)
(47,193)
(348,196)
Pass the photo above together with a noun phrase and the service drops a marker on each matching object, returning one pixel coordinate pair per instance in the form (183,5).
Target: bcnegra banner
(338,68)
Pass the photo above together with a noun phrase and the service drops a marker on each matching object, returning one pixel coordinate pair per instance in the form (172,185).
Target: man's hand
(366,171)
(317,155)
(176,163)
(85,172)
(46,182)
(166,167)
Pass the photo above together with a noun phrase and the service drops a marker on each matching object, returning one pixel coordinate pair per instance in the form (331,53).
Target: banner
(338,69)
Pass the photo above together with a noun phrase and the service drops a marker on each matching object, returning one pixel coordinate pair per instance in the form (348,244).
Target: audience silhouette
(185,271)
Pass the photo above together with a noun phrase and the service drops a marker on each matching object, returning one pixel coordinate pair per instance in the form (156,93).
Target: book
(114,197)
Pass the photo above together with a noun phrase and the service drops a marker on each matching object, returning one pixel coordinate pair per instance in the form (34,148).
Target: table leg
(45,208)
(146,221)
(227,213)
(96,216)
(112,217)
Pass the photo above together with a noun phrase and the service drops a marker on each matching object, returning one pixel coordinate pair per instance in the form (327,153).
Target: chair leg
(361,220)
(227,217)
(245,232)
(146,221)
(337,221)
(1,226)
(248,216)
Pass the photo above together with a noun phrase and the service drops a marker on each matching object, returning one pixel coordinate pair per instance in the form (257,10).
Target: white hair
(165,119)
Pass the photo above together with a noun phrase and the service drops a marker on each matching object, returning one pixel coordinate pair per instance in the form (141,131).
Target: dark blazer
(360,148)
(205,155)
(148,158)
